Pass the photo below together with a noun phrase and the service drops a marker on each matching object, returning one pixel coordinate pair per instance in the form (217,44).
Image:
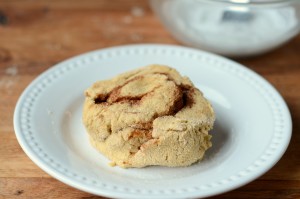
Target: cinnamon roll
(148,116)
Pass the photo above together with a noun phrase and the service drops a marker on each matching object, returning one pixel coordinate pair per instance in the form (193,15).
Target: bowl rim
(254,2)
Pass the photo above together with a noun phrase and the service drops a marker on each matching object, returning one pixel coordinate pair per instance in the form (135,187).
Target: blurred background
(36,34)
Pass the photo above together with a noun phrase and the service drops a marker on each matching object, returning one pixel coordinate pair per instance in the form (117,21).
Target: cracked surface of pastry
(148,116)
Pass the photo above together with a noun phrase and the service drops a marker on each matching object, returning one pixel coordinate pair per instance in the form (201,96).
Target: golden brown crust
(149,116)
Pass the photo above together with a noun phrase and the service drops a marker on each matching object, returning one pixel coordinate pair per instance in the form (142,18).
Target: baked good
(148,116)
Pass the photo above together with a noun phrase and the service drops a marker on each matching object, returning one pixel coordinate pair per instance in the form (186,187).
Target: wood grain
(34,35)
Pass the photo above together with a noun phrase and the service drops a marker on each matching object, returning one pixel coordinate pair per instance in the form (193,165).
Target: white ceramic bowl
(230,27)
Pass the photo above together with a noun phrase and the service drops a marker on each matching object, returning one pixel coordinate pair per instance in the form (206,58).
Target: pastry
(148,116)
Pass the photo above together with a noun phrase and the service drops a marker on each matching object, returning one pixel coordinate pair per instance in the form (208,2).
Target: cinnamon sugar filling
(184,98)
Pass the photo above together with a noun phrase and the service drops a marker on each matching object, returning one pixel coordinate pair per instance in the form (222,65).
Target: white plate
(252,129)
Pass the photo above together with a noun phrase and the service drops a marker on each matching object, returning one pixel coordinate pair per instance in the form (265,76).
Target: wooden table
(34,35)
